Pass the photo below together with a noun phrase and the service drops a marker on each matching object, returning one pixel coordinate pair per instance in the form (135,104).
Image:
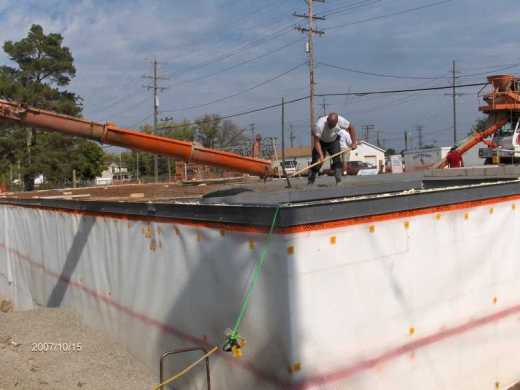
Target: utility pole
(405,140)
(454,99)
(163,128)
(378,138)
(137,166)
(283,137)
(252,128)
(292,137)
(367,129)
(419,129)
(156,89)
(310,30)
(324,106)
(454,96)
(283,144)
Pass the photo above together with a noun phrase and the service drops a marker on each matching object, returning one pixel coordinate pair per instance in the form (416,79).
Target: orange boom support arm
(131,139)
(502,101)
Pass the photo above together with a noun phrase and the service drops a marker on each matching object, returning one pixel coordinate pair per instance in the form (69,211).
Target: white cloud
(110,41)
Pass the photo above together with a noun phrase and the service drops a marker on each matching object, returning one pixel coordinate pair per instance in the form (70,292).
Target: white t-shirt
(324,133)
(345,141)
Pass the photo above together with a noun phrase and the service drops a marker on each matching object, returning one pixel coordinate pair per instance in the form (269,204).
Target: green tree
(212,132)
(88,159)
(231,135)
(208,130)
(42,57)
(208,127)
(43,68)
(184,130)
(390,152)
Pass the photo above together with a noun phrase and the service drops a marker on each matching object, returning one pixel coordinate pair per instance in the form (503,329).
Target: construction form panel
(423,299)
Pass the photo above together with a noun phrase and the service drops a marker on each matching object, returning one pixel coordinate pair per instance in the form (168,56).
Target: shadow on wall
(210,303)
(86,224)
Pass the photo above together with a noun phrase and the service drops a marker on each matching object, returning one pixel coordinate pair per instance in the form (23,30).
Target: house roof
(372,146)
(295,152)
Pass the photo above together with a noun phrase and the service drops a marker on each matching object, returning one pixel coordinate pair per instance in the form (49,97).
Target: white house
(365,152)
(39,180)
(370,154)
(113,172)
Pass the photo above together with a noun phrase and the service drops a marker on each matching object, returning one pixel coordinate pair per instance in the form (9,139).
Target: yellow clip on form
(236,351)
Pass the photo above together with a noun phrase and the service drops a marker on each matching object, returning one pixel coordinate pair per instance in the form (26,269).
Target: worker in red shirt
(454,158)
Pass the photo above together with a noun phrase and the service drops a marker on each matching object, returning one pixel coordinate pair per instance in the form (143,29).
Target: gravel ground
(100,364)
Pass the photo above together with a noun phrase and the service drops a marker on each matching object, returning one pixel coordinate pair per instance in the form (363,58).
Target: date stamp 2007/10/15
(56,347)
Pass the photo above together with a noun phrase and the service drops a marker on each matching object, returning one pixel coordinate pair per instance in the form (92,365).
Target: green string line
(254,279)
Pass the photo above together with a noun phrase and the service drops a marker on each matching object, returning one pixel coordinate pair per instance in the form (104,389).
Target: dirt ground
(131,192)
(96,363)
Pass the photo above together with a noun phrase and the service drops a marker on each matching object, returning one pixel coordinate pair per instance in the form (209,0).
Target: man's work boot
(337,175)
(312,178)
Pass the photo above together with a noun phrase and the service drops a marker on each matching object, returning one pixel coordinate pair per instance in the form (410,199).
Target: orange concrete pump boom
(502,103)
(113,135)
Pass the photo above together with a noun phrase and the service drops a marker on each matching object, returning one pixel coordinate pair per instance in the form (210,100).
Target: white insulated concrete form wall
(419,300)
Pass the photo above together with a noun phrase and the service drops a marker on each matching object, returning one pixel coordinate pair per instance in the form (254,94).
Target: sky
(231,56)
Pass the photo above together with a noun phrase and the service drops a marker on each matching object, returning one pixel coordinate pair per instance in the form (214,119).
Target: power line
(252,111)
(493,69)
(141,121)
(362,93)
(254,13)
(239,92)
(393,76)
(116,103)
(271,52)
(219,43)
(390,104)
(130,108)
(366,93)
(130,81)
(398,13)
(267,54)
(345,8)
(240,49)
(490,66)
(384,102)
(299,99)
(303,98)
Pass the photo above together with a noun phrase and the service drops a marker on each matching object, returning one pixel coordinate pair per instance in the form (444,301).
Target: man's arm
(353,134)
(317,146)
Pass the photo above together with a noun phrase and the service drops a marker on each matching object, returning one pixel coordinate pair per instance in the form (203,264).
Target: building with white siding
(365,152)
